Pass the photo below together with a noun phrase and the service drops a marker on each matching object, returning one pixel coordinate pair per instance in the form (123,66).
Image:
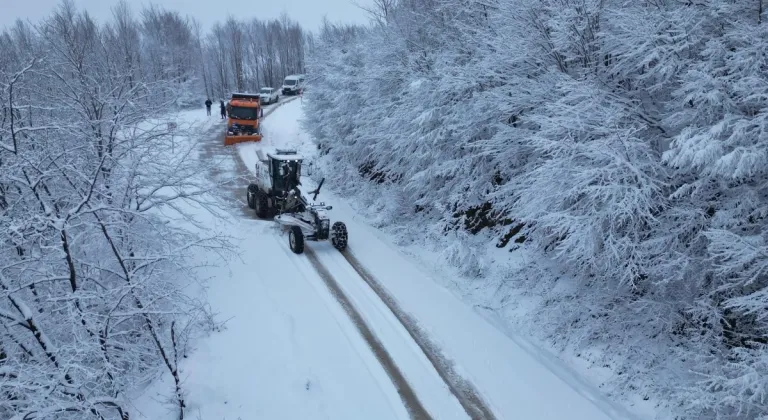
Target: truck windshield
(242,113)
(266,91)
(290,82)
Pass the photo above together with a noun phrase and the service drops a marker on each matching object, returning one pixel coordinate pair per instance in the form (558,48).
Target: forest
(622,142)
(93,275)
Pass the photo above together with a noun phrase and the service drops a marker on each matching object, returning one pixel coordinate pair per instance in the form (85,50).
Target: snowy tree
(91,271)
(623,140)
(246,55)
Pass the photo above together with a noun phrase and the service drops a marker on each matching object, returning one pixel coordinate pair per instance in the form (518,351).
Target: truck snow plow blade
(230,140)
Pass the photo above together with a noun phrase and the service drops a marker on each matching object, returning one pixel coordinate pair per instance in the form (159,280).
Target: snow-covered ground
(288,350)
(307,336)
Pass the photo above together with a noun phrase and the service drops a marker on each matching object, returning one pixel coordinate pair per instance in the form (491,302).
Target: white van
(293,84)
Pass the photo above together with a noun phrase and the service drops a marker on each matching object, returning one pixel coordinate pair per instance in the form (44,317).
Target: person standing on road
(208,104)
(223,110)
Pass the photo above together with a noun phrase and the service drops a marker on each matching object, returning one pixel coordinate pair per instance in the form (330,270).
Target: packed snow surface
(290,351)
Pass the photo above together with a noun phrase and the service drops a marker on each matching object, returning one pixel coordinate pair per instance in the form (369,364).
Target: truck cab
(244,111)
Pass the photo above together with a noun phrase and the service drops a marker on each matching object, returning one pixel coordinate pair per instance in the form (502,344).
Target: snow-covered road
(364,334)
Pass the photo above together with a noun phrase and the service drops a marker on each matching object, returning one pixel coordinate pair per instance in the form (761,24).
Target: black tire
(339,236)
(296,240)
(261,205)
(250,194)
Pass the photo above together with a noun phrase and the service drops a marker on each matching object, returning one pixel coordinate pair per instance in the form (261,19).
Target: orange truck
(244,112)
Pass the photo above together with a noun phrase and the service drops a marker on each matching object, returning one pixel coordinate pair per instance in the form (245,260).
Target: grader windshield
(285,172)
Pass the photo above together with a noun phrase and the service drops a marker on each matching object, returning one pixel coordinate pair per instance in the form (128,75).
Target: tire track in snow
(468,396)
(275,232)
(464,391)
(412,403)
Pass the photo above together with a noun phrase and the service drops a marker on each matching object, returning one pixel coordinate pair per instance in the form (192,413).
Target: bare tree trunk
(175,372)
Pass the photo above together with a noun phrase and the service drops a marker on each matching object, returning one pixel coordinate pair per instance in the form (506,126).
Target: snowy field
(289,348)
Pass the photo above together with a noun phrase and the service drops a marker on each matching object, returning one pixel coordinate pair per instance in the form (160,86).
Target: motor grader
(276,194)
(243,119)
